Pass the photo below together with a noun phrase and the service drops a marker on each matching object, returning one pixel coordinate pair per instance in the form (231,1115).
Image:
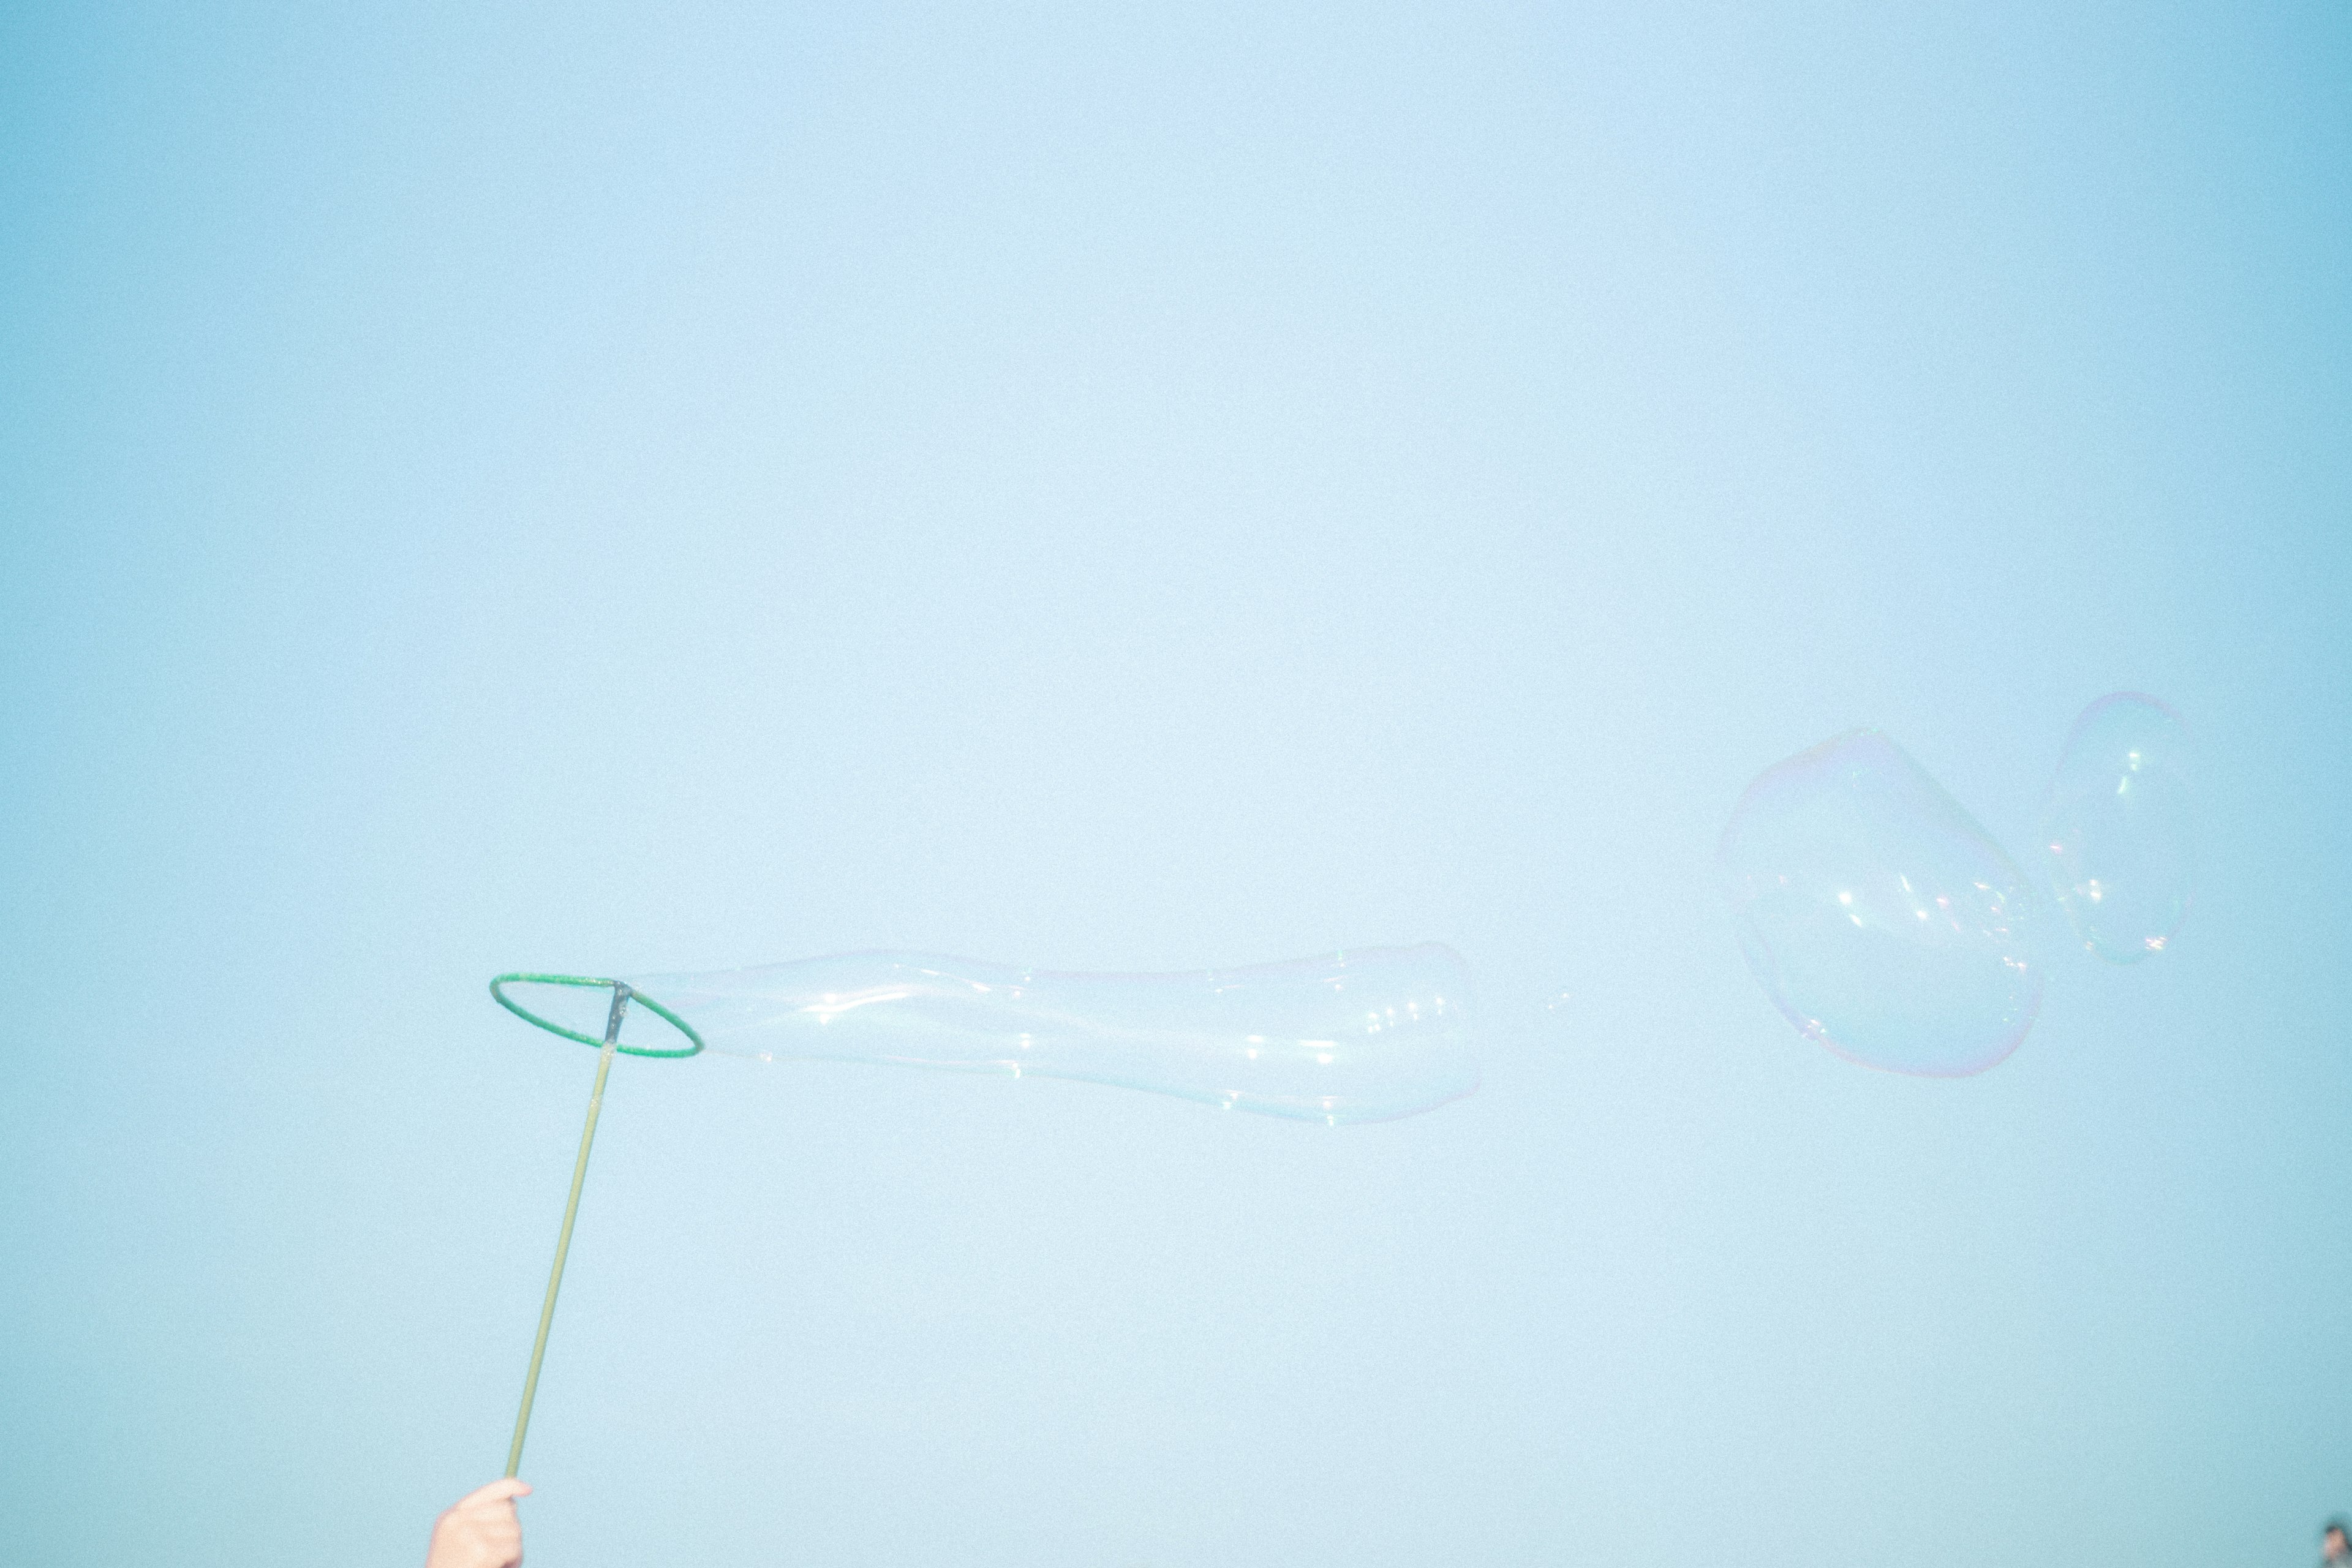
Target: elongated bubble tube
(1366,1034)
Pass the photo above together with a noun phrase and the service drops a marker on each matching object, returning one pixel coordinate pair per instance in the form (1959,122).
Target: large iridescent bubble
(1878,917)
(1360,1036)
(2116,832)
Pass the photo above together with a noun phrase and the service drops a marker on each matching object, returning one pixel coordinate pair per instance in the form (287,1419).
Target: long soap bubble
(1878,917)
(2117,826)
(1360,1036)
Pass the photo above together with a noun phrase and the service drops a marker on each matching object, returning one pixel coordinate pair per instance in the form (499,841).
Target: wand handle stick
(570,1212)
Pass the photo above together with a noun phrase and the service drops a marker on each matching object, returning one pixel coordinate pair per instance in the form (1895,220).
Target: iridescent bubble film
(2117,833)
(1879,917)
(1360,1036)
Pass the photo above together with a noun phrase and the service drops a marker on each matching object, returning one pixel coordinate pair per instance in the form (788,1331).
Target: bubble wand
(1361,1035)
(610,1046)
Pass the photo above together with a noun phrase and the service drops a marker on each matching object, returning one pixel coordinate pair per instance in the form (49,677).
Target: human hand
(479,1530)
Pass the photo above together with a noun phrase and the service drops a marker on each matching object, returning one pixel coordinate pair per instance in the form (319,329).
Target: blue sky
(625,490)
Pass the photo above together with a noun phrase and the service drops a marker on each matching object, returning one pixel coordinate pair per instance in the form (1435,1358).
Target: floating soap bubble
(1880,918)
(2116,828)
(1360,1036)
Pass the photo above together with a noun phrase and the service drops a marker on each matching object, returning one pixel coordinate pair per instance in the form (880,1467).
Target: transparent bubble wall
(1360,1036)
(1881,921)
(2117,833)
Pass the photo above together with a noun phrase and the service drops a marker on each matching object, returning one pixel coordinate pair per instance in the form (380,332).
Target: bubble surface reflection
(2118,827)
(1880,918)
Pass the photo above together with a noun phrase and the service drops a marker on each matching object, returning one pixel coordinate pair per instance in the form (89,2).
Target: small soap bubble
(2117,829)
(1878,917)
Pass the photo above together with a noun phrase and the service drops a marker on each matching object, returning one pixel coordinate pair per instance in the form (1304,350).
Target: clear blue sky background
(618,488)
